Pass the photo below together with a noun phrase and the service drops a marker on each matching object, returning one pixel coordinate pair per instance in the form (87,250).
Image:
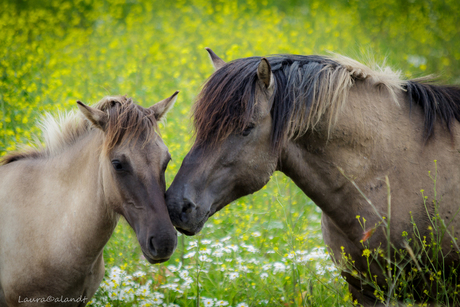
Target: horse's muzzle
(159,249)
(186,215)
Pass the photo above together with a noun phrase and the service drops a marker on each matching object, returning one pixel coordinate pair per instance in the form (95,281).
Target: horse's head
(133,163)
(233,154)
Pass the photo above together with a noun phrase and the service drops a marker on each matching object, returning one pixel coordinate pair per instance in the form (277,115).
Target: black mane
(439,102)
(226,103)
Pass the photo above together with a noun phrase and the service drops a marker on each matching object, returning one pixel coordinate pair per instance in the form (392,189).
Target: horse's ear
(95,116)
(264,72)
(217,62)
(161,108)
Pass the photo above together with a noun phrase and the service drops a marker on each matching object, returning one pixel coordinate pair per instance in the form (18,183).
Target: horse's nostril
(153,250)
(189,205)
(183,217)
(187,208)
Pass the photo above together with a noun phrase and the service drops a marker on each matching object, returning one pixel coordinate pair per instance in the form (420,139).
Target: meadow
(265,249)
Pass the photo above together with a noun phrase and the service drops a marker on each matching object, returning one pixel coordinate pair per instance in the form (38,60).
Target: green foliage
(55,52)
(418,272)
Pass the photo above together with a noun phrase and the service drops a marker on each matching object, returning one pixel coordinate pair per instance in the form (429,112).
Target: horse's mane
(440,102)
(127,121)
(306,88)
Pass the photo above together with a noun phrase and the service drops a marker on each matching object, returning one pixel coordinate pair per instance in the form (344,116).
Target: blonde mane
(126,121)
(332,92)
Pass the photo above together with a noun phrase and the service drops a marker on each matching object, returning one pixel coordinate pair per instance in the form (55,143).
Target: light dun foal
(60,204)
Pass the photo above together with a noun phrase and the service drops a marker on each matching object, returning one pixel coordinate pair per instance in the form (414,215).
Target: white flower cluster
(120,286)
(211,302)
(234,261)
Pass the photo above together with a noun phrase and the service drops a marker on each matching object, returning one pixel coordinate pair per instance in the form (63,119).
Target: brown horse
(317,119)
(60,204)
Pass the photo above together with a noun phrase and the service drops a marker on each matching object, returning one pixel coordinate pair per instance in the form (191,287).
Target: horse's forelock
(226,103)
(127,121)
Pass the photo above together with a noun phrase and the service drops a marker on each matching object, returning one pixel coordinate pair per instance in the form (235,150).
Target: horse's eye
(248,130)
(117,165)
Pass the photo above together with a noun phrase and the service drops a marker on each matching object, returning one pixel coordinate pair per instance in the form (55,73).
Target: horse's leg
(363,299)
(84,302)
(2,298)
(94,279)
(335,240)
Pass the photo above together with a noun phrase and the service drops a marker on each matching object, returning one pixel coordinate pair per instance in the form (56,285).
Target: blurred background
(55,52)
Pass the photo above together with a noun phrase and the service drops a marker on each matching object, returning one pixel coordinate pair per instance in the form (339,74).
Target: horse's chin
(195,230)
(186,232)
(153,260)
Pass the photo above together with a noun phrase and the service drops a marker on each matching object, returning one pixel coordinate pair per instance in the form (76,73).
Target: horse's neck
(317,175)
(358,146)
(87,205)
(98,220)
(374,138)
(72,201)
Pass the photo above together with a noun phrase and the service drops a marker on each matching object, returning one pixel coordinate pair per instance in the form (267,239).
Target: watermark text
(53,299)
